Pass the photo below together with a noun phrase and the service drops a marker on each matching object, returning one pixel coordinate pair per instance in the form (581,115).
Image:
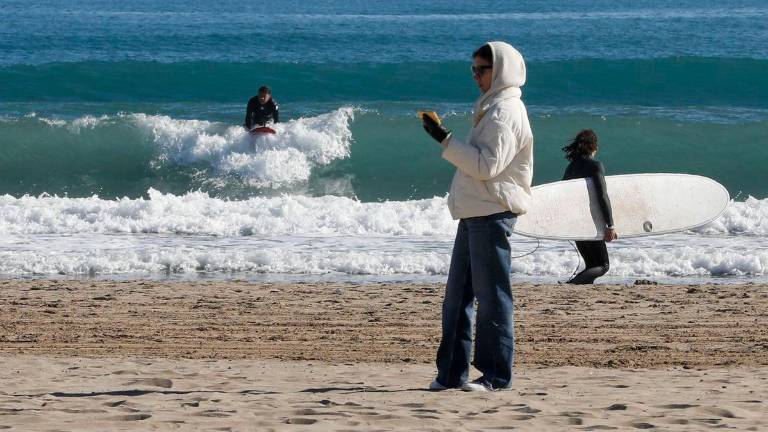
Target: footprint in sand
(155,382)
(313,412)
(678,406)
(717,412)
(306,412)
(678,421)
(427,411)
(574,417)
(132,417)
(708,421)
(376,416)
(119,372)
(301,421)
(82,411)
(215,413)
(527,410)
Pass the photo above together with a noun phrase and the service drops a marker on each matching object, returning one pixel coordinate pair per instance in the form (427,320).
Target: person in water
(262,109)
(581,152)
(491,187)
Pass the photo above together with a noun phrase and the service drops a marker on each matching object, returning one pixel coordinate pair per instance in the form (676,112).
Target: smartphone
(431,114)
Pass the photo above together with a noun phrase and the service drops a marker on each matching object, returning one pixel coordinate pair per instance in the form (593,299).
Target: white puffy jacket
(495,165)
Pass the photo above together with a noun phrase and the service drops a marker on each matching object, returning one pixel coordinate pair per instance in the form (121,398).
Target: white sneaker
(474,387)
(436,386)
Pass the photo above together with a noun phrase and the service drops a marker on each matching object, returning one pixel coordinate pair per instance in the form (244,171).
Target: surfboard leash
(573,245)
(538,243)
(578,264)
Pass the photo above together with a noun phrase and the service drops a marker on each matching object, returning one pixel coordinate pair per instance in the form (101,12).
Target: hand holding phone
(432,124)
(431,114)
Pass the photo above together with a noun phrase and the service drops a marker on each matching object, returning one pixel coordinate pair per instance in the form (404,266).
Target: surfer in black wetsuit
(262,109)
(581,153)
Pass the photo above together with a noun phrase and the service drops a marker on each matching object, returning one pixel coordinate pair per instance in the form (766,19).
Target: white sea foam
(100,254)
(105,254)
(86,122)
(185,259)
(749,217)
(682,255)
(199,214)
(265,161)
(53,122)
(74,126)
(325,236)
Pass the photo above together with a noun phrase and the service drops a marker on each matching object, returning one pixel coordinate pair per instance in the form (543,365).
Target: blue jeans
(480,267)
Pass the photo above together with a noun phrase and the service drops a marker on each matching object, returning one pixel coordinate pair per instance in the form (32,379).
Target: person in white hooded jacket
(491,187)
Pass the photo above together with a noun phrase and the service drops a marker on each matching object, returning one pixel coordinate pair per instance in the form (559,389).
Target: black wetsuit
(258,114)
(595,253)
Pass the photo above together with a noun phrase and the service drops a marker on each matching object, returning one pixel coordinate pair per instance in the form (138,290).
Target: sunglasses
(479,70)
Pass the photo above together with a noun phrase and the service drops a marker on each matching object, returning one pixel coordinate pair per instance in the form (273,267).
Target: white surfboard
(641,204)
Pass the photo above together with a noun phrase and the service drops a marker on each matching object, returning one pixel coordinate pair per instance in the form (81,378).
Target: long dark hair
(582,146)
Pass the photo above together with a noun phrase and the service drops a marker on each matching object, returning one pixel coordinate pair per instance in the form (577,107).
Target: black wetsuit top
(258,114)
(594,252)
(586,167)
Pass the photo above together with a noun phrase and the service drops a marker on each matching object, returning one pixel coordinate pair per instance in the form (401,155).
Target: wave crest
(283,159)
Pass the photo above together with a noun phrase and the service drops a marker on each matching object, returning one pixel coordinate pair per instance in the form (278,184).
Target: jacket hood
(508,76)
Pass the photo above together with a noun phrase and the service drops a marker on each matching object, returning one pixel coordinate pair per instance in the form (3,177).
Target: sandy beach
(153,355)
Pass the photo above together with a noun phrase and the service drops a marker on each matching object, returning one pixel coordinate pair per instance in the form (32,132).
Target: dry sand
(147,355)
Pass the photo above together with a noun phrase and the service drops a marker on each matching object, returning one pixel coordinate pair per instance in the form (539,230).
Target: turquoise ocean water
(120,150)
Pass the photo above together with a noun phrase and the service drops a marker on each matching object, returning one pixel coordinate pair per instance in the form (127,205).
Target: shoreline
(396,279)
